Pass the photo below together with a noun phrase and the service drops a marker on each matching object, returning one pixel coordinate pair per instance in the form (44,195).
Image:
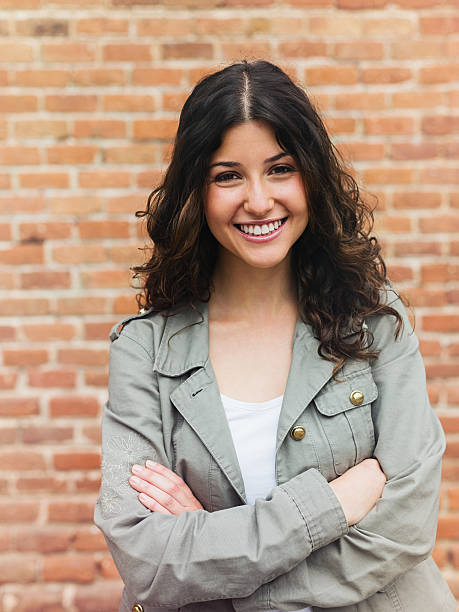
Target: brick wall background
(90,92)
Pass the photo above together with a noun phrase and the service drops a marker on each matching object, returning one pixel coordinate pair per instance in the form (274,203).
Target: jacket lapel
(184,347)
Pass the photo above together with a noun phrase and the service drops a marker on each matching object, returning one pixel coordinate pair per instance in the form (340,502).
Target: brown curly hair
(338,265)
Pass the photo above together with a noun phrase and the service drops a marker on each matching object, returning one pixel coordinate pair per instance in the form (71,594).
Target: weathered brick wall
(89,97)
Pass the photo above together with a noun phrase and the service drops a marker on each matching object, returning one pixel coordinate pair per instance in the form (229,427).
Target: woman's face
(255,202)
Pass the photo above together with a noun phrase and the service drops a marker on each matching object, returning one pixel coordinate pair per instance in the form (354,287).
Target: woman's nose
(258,201)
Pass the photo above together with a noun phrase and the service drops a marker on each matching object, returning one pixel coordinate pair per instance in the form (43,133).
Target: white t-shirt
(253,426)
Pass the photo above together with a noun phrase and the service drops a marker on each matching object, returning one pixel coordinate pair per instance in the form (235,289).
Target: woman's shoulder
(140,324)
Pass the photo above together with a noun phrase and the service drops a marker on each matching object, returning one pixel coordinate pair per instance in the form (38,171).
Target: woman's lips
(262,237)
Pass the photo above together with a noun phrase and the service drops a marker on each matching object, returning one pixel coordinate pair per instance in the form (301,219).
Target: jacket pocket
(344,414)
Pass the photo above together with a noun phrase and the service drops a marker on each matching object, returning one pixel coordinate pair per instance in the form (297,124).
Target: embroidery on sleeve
(119,455)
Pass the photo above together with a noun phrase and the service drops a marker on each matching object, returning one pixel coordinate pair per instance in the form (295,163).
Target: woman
(271,383)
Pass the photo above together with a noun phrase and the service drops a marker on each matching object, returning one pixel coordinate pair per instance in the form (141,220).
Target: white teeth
(263,229)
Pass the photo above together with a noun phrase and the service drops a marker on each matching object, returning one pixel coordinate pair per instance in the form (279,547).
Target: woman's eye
(225,177)
(282,169)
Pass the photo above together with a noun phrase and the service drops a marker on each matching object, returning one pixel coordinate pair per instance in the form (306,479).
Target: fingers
(151,493)
(152,504)
(164,481)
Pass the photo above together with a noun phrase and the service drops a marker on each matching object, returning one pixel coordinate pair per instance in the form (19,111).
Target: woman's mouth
(261,230)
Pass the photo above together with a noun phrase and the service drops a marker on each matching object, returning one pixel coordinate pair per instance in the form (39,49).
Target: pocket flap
(337,397)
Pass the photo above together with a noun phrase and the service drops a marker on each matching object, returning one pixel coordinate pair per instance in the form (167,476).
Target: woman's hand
(161,490)
(359,489)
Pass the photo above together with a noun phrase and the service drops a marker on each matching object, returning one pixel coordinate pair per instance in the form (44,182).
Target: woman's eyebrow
(232,164)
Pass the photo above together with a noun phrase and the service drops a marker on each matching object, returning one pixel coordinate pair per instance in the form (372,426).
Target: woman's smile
(261,231)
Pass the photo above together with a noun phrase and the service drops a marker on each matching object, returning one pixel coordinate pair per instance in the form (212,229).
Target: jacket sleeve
(399,532)
(167,560)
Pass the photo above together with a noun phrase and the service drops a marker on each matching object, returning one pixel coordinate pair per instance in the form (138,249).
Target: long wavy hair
(337,264)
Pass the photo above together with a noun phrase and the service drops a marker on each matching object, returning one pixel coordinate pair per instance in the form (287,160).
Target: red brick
(445,24)
(359,50)
(441,224)
(74,407)
(49,331)
(385,175)
(18,511)
(68,568)
(21,357)
(53,180)
(388,125)
(71,103)
(407,150)
(448,527)
(22,254)
(18,569)
(104,178)
(127,52)
(42,434)
(187,50)
(41,484)
(17,103)
(125,304)
(68,52)
(21,460)
(445,124)
(162,129)
(90,539)
(302,48)
(16,307)
(8,380)
(335,25)
(450,423)
(18,156)
(102,25)
(157,76)
(76,461)
(96,379)
(44,540)
(42,27)
(359,101)
(173,101)
(326,75)
(416,199)
(442,370)
(79,254)
(99,77)
(439,73)
(66,154)
(7,333)
(393,74)
(12,204)
(417,99)
(126,204)
(441,322)
(399,274)
(41,78)
(361,4)
(7,435)
(100,128)
(129,102)
(417,49)
(409,247)
(103,229)
(93,433)
(46,280)
(75,205)
(439,273)
(106,278)
(441,175)
(88,484)
(16,52)
(52,378)
(71,511)
(425,297)
(18,406)
(81,305)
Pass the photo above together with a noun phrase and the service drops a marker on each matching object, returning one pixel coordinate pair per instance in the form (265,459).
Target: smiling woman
(286,456)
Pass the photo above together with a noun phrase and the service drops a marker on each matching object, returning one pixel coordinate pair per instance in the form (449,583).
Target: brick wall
(89,97)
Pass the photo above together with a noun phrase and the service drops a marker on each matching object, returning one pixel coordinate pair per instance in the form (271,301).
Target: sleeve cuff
(319,507)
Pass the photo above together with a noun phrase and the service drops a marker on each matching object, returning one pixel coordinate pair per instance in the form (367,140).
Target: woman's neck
(242,292)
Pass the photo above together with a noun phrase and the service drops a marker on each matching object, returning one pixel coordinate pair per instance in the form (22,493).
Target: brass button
(141,312)
(298,432)
(356,397)
(137,608)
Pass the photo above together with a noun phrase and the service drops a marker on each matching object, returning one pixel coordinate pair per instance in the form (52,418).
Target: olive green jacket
(295,547)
